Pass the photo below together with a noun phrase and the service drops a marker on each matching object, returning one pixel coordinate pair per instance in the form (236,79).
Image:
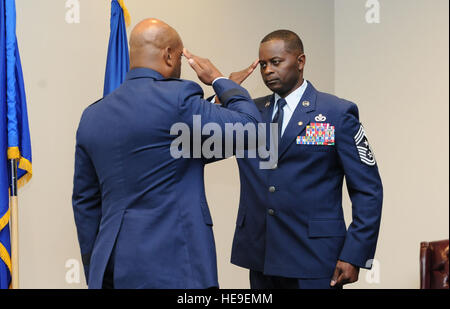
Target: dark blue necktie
(281,103)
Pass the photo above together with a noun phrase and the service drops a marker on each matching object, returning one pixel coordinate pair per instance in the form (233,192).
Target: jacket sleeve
(86,202)
(364,187)
(237,110)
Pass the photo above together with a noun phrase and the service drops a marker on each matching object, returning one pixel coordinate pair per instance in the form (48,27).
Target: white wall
(397,72)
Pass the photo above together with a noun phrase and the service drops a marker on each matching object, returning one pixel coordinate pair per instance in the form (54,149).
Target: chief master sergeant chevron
(141,215)
(290,229)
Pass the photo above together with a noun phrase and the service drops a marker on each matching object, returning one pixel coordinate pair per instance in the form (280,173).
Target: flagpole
(14,226)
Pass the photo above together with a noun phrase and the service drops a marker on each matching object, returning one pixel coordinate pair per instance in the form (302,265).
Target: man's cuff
(226,89)
(221,77)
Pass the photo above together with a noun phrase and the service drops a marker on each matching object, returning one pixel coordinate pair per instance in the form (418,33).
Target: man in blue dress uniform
(290,230)
(141,214)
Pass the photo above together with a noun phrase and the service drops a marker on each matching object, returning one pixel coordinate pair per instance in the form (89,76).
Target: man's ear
(301,60)
(168,56)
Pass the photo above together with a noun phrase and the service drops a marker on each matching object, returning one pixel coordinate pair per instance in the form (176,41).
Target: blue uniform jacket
(132,201)
(290,221)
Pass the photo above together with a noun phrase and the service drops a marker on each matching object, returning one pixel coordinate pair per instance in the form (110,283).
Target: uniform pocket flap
(326,228)
(318,148)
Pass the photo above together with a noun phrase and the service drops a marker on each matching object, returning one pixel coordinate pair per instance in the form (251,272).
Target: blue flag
(118,61)
(15,136)
(5,250)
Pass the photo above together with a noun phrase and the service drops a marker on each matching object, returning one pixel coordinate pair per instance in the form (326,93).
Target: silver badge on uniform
(364,150)
(320,118)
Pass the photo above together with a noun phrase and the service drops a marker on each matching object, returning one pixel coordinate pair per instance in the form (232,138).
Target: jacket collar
(309,95)
(143,73)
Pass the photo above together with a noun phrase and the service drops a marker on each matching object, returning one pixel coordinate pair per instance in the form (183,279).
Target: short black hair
(292,41)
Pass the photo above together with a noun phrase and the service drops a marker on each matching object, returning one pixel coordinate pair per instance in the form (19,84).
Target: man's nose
(268,70)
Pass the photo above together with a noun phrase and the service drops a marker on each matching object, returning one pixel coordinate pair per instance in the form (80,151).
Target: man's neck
(299,84)
(153,67)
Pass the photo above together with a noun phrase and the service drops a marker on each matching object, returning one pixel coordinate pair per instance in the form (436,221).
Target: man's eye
(276,62)
(263,65)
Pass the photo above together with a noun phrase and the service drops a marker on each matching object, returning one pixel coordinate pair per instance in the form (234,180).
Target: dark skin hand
(239,77)
(344,273)
(205,70)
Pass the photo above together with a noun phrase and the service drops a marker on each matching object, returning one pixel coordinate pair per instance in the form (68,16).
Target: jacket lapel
(267,109)
(299,120)
(267,117)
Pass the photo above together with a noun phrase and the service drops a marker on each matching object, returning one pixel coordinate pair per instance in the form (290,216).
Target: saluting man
(141,214)
(290,229)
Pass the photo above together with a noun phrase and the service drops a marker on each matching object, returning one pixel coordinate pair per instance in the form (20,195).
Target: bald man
(141,213)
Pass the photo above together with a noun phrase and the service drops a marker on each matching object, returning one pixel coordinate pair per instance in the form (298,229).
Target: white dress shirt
(292,101)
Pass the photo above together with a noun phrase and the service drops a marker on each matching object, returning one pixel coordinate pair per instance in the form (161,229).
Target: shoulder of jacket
(262,101)
(334,102)
(95,102)
(90,110)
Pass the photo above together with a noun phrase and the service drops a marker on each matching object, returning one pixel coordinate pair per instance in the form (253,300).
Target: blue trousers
(260,281)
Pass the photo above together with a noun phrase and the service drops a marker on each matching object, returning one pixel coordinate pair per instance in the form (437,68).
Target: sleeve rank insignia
(364,150)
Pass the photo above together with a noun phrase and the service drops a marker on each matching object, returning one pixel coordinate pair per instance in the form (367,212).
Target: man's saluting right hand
(239,77)
(205,70)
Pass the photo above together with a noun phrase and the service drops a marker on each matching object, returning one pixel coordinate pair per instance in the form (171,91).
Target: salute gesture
(205,70)
(239,77)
